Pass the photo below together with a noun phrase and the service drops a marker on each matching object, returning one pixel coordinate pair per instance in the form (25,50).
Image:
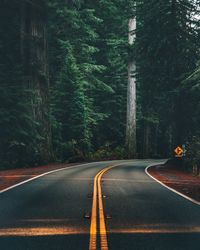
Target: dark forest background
(63,79)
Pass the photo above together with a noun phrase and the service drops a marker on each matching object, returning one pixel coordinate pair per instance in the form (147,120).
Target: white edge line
(41,175)
(50,172)
(171,189)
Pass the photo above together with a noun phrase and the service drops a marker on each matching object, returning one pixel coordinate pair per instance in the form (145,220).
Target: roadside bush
(193,155)
(108,153)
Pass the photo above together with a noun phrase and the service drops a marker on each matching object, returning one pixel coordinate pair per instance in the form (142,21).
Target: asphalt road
(49,212)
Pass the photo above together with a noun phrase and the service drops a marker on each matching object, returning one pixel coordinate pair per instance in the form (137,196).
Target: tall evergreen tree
(113,54)
(167,52)
(131,92)
(73,38)
(85,44)
(35,70)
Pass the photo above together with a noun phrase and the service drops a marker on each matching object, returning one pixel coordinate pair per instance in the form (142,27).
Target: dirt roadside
(11,177)
(177,179)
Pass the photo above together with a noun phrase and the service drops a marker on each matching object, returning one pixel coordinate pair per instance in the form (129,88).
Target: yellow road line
(93,225)
(103,231)
(103,234)
(97,193)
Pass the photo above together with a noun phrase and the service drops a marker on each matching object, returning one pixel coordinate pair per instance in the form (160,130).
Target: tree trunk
(131,97)
(155,149)
(34,49)
(22,30)
(146,137)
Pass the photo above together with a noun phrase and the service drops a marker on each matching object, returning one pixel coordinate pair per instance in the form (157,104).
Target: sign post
(184,150)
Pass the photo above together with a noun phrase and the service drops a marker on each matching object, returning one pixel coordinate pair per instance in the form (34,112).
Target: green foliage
(15,120)
(193,150)
(107,152)
(167,51)
(21,133)
(113,54)
(88,53)
(189,90)
(87,59)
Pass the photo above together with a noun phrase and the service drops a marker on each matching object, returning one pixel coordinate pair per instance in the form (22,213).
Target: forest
(84,80)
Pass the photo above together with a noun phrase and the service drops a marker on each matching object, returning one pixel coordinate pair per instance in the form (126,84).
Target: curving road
(62,210)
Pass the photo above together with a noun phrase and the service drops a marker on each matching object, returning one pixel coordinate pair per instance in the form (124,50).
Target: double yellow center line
(97,196)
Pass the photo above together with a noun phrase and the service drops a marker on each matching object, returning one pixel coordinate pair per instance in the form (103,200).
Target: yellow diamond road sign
(178,151)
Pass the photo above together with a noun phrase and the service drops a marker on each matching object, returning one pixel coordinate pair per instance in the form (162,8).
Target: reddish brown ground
(181,181)
(14,176)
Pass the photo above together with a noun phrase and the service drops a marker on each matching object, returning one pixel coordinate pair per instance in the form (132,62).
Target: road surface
(107,205)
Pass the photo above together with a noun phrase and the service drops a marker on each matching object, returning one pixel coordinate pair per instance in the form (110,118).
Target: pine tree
(36,75)
(17,144)
(167,52)
(113,54)
(75,78)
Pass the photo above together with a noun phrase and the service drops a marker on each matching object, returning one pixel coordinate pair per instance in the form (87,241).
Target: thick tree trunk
(155,143)
(34,49)
(39,76)
(22,30)
(131,97)
(146,141)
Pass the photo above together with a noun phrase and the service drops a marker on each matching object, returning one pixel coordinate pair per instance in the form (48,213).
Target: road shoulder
(178,181)
(11,177)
